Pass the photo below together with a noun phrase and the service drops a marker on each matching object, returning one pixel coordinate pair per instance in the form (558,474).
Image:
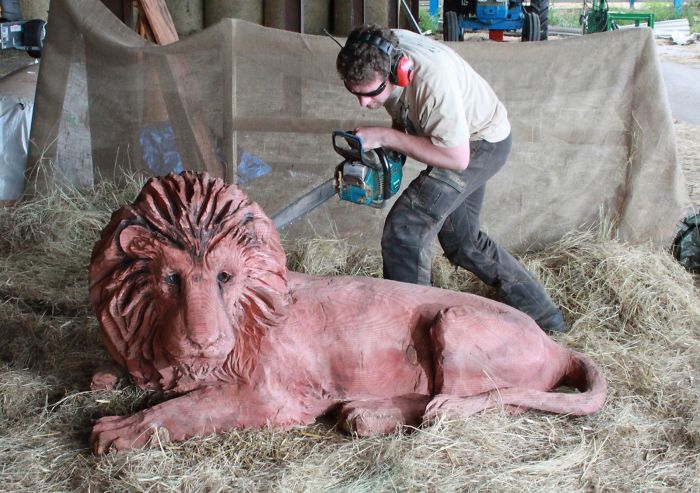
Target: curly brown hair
(359,61)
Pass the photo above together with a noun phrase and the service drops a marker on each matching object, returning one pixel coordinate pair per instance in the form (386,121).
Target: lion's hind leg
(452,406)
(381,416)
(482,349)
(480,352)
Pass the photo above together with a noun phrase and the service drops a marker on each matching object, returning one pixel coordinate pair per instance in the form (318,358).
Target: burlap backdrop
(591,122)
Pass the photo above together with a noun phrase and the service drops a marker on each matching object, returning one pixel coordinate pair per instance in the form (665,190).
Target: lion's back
(358,336)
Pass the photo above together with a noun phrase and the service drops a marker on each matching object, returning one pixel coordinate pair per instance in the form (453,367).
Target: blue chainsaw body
(366,177)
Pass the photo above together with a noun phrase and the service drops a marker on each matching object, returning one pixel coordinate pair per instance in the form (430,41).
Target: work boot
(553,323)
(529,296)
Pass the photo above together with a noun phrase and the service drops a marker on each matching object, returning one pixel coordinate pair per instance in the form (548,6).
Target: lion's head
(185,282)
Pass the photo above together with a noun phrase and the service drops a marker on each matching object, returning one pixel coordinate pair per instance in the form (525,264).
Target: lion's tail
(583,374)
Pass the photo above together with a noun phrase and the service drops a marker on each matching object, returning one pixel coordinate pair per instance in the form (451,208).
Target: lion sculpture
(193,296)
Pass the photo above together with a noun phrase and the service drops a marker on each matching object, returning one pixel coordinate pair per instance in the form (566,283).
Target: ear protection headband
(401,67)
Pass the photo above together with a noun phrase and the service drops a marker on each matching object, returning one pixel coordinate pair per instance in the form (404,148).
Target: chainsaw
(365,177)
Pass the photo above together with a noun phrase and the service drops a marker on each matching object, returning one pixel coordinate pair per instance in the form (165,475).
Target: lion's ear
(137,241)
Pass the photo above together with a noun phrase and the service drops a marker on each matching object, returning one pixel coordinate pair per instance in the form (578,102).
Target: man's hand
(372,137)
(419,148)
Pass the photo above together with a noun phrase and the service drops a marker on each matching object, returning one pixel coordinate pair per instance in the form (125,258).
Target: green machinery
(596,17)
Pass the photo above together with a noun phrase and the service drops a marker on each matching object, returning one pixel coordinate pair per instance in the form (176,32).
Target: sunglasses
(369,94)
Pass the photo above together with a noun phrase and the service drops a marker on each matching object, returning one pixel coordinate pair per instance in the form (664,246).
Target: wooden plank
(293,124)
(143,28)
(160,20)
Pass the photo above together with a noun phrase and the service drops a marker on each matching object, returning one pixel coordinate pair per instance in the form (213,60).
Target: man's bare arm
(419,148)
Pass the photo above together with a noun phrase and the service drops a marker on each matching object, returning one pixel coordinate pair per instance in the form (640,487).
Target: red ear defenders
(401,69)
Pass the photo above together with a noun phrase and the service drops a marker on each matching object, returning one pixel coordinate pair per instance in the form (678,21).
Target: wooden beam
(285,124)
(293,15)
(160,20)
(357,15)
(230,137)
(143,28)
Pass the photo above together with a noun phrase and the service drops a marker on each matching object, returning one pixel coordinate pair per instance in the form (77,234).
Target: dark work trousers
(448,204)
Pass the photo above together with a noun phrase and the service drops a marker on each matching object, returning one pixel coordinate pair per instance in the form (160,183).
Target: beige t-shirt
(447,100)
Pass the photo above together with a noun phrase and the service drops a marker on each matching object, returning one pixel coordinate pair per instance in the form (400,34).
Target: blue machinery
(506,15)
(495,16)
(435,6)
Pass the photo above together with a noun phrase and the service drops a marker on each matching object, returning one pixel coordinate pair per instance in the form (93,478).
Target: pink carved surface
(191,290)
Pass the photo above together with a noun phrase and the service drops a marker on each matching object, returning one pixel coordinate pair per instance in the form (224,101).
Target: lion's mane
(193,212)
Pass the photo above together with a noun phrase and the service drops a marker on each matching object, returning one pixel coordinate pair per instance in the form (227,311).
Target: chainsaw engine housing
(366,177)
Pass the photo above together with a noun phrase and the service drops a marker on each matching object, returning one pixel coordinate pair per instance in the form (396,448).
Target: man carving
(447,116)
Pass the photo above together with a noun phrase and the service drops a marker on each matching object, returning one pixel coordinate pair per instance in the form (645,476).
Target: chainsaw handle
(356,152)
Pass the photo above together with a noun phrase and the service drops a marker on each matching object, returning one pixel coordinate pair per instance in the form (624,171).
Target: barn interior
(600,179)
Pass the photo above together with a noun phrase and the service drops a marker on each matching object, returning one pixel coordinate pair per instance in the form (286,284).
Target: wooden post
(230,137)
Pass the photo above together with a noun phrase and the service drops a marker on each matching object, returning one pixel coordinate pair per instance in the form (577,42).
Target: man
(446,116)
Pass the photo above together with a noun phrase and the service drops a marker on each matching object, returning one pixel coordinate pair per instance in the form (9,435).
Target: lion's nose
(201,327)
(200,316)
(202,339)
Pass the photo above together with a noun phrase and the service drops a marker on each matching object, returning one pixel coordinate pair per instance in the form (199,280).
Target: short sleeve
(440,111)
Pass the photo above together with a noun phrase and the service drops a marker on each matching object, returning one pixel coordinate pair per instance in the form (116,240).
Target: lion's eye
(223,277)
(173,279)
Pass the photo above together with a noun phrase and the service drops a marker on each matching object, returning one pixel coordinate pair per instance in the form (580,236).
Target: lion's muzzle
(199,326)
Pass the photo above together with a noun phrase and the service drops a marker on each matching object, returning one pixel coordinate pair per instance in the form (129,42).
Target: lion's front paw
(379,417)
(368,421)
(114,433)
(106,377)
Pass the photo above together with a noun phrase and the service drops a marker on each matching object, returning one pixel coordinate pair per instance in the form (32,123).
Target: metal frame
(637,17)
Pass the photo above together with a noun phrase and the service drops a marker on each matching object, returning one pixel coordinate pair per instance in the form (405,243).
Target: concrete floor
(683,86)
(680,66)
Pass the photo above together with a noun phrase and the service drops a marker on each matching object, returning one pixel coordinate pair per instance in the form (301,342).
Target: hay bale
(632,308)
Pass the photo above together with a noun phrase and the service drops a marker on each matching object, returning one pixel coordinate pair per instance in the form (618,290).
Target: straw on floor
(632,308)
